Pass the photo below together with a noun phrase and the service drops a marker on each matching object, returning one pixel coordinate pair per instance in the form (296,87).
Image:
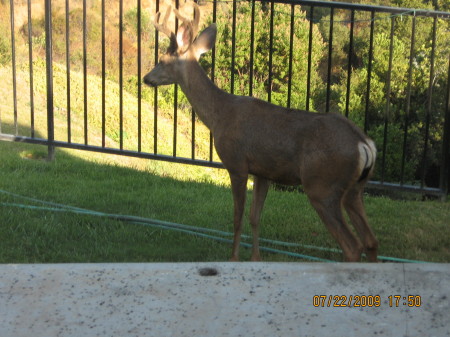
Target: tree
(278,85)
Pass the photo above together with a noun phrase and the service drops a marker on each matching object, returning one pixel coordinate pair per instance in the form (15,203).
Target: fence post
(445,169)
(49,73)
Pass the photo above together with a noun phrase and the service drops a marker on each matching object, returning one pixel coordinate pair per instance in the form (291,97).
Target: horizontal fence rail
(72,69)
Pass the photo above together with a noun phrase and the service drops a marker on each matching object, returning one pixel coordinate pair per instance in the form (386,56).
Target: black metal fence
(71,78)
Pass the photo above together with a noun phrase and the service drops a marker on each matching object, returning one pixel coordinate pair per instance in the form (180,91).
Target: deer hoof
(372,255)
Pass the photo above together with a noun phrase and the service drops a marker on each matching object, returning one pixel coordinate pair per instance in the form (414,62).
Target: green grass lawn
(181,194)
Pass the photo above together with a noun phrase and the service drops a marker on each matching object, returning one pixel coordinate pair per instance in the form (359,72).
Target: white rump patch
(367,154)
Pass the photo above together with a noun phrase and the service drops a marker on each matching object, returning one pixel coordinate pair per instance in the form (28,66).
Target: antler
(188,35)
(163,27)
(194,23)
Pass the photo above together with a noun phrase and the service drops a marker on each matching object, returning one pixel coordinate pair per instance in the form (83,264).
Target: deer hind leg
(239,189)
(354,205)
(328,205)
(260,188)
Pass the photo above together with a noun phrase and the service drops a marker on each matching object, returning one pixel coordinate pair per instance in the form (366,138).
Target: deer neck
(205,97)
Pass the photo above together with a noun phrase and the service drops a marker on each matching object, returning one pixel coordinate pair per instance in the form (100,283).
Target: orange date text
(346,301)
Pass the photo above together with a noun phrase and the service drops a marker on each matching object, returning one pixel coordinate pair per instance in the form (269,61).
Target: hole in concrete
(208,272)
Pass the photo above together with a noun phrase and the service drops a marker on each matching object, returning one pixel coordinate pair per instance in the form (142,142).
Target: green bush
(280,54)
(391,108)
(130,21)
(5,50)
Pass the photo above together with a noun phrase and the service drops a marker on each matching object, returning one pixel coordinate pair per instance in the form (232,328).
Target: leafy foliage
(253,78)
(399,108)
(5,44)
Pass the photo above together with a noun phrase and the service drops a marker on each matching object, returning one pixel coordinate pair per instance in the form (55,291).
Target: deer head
(183,47)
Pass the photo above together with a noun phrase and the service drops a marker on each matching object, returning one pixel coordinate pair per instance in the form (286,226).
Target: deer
(324,152)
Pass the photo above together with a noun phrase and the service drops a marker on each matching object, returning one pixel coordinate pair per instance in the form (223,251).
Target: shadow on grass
(45,236)
(408,230)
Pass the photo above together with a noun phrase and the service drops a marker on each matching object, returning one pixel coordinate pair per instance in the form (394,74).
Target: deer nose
(149,82)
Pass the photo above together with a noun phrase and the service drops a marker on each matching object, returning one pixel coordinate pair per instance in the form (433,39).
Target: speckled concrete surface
(234,299)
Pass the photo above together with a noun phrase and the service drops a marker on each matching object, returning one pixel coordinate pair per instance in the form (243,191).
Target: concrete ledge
(230,299)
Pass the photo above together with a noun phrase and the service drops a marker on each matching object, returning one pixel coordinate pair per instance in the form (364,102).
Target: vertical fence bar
(213,72)
(330,56)
(13,60)
(349,65)
(269,86)
(193,123)
(30,55)
(85,74)
(139,75)
(193,134)
(444,178)
(155,91)
(408,99)
(388,100)
(369,72)
(252,50)
(429,104)
(69,108)
(49,79)
(103,76)
(121,73)
(291,50)
(175,98)
(308,80)
(233,47)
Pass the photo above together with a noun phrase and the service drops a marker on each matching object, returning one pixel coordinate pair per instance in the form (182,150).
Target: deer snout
(148,80)
(158,76)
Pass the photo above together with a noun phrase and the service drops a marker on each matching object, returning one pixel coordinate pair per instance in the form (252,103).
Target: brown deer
(326,153)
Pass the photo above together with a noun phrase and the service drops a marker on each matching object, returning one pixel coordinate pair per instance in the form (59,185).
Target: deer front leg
(260,188)
(239,189)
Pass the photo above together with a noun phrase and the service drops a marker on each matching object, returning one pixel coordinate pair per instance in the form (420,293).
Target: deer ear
(205,41)
(184,37)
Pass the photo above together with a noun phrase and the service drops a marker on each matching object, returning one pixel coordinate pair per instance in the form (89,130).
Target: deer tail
(367,157)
